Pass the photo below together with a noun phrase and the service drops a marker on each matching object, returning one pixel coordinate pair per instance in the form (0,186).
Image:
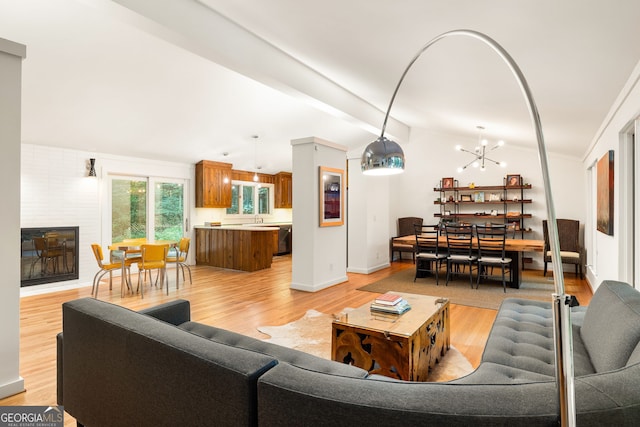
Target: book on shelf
(399,308)
(388,299)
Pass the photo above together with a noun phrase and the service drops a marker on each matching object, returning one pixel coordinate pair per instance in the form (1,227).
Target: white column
(319,257)
(11,55)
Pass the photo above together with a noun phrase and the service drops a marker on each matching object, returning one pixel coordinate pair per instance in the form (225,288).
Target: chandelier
(479,153)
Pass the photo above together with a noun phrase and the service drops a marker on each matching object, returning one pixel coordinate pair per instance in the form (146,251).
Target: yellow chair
(153,257)
(104,269)
(180,258)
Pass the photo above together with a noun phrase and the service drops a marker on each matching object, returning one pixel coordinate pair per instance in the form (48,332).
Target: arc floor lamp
(385,157)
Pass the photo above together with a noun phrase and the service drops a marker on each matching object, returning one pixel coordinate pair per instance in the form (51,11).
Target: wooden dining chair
(153,257)
(491,252)
(429,257)
(460,250)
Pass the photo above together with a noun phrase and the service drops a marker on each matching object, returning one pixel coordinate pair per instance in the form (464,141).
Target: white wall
(11,56)
(368,216)
(610,251)
(431,156)
(56,191)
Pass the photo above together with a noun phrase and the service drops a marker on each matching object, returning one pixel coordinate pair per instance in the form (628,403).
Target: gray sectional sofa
(117,367)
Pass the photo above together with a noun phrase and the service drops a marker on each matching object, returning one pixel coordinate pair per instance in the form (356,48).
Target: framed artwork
(494,197)
(604,206)
(447,182)
(466,198)
(478,197)
(331,197)
(513,180)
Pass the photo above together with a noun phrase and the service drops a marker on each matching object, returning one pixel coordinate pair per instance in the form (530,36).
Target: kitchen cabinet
(213,184)
(283,190)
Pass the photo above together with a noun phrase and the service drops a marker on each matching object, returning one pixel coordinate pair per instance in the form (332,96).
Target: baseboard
(9,389)
(368,270)
(317,287)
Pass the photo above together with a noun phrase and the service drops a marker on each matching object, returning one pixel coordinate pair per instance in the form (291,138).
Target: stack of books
(390,303)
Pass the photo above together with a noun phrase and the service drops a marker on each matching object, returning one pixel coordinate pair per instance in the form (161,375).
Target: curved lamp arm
(561,310)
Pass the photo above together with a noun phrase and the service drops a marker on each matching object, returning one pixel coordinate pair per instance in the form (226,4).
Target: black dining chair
(491,252)
(429,257)
(460,251)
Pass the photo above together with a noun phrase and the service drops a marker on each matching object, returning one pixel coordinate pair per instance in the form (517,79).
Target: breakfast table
(131,250)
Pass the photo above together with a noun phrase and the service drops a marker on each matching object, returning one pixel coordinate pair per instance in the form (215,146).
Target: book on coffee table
(401,307)
(388,299)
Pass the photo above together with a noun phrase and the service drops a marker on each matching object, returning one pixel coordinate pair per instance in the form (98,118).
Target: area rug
(488,295)
(312,334)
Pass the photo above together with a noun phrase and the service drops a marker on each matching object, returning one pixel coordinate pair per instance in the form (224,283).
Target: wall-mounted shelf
(485,203)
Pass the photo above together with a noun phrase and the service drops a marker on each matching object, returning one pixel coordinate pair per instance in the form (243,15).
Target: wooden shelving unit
(486,203)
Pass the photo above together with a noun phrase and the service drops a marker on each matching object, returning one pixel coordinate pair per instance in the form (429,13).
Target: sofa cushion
(283,354)
(494,373)
(522,338)
(611,327)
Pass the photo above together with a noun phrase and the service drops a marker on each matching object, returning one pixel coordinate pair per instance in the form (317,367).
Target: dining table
(132,250)
(513,249)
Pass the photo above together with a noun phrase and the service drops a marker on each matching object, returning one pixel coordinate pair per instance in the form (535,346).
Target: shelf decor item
(331,197)
(447,183)
(466,198)
(513,181)
(478,197)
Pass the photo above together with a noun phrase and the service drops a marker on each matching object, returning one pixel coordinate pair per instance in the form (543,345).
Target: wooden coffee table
(402,346)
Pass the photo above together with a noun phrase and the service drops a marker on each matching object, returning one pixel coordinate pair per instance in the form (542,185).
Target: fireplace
(48,254)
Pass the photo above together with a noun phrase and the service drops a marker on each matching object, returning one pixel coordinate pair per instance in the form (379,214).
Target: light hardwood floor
(233,300)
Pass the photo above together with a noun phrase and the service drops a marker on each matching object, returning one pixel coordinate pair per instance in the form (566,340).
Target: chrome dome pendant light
(382,157)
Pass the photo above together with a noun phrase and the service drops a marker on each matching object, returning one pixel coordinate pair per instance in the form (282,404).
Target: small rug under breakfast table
(312,334)
(488,295)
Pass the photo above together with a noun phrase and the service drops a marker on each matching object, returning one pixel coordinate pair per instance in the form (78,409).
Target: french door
(149,207)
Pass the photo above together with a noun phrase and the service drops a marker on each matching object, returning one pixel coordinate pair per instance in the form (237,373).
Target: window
(250,198)
(147,207)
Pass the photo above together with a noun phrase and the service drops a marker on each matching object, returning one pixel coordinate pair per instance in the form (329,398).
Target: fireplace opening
(48,254)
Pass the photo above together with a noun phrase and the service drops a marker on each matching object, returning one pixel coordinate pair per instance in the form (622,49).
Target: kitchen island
(236,247)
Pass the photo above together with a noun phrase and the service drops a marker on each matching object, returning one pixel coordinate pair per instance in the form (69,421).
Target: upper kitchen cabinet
(283,191)
(213,184)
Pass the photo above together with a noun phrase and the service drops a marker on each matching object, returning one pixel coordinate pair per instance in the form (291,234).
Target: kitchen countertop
(251,227)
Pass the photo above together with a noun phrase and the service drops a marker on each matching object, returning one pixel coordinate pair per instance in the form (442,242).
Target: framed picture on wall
(604,205)
(331,197)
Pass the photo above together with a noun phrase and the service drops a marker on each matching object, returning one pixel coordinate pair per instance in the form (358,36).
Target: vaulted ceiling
(195,79)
